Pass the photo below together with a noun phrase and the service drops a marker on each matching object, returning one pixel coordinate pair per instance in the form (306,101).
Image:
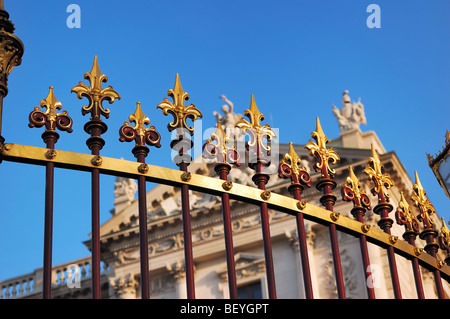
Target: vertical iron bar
(359,213)
(432,248)
(261,180)
(143,233)
(328,200)
(385,224)
(95,179)
(228,235)
(303,249)
(188,253)
(143,238)
(48,225)
(95,218)
(416,269)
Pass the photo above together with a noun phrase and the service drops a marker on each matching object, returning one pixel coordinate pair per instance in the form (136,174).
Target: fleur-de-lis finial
(95,93)
(224,152)
(319,149)
(352,191)
(423,203)
(257,132)
(50,118)
(291,167)
(139,133)
(179,111)
(381,180)
(404,217)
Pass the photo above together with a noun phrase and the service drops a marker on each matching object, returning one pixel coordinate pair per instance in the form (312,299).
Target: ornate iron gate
(258,153)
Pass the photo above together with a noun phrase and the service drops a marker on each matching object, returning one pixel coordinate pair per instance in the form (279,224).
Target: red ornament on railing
(50,118)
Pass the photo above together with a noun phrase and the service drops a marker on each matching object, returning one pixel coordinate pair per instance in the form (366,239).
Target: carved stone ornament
(123,287)
(351,114)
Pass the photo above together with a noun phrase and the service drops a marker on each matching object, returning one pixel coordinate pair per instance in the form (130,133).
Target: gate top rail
(120,167)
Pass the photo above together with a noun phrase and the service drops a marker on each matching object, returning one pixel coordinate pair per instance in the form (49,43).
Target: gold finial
(255,130)
(353,183)
(50,118)
(224,152)
(404,216)
(319,149)
(51,104)
(140,120)
(382,180)
(291,167)
(423,203)
(179,111)
(221,139)
(294,160)
(94,92)
(139,132)
(352,191)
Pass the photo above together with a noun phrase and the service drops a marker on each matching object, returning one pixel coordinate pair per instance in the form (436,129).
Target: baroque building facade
(120,235)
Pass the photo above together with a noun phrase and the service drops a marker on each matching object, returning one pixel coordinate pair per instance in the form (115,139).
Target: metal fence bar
(352,191)
(291,167)
(52,121)
(326,184)
(259,157)
(95,127)
(404,217)
(261,180)
(142,136)
(225,154)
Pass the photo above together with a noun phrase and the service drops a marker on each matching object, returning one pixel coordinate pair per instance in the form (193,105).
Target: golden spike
(352,191)
(50,118)
(94,92)
(319,149)
(290,167)
(254,127)
(140,120)
(404,216)
(354,184)
(221,139)
(423,203)
(179,111)
(382,180)
(294,159)
(51,104)
(224,152)
(139,132)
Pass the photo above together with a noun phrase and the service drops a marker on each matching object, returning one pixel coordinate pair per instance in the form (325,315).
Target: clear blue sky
(296,57)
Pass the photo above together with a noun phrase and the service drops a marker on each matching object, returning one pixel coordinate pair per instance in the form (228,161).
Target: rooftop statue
(229,119)
(351,115)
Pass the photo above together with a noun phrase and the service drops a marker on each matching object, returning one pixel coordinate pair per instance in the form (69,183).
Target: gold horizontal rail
(157,174)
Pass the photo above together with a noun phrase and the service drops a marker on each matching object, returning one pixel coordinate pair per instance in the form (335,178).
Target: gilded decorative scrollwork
(291,167)
(423,203)
(178,109)
(382,180)
(139,133)
(50,118)
(404,216)
(257,133)
(352,191)
(95,93)
(324,155)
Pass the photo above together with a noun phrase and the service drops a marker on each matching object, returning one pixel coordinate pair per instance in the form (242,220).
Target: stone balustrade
(67,274)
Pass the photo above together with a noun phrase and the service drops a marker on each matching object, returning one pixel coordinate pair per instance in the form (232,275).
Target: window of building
(250,291)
